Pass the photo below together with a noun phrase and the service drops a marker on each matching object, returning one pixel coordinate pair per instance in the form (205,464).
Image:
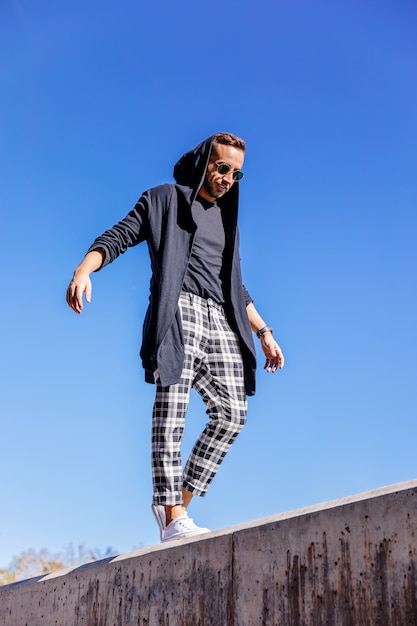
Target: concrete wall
(351,562)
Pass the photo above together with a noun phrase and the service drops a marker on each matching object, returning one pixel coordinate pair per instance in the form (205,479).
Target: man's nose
(229,177)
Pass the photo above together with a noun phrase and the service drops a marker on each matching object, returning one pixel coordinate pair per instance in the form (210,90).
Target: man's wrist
(262,331)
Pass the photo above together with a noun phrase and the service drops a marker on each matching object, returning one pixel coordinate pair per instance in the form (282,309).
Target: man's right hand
(81,283)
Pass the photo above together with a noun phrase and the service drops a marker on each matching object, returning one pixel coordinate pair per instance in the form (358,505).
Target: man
(198,327)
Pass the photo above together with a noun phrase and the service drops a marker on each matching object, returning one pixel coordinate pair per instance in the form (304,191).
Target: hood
(190,171)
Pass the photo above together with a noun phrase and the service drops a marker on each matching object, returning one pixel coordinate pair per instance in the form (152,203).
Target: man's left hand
(272,351)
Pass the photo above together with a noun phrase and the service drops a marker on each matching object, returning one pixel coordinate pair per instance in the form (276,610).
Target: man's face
(215,184)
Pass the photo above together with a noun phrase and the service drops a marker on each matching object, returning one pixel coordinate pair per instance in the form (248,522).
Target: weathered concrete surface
(351,562)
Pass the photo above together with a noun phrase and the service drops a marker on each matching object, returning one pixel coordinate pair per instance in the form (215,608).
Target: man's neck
(204,194)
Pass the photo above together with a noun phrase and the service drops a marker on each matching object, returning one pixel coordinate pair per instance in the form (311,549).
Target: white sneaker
(180,527)
(159,511)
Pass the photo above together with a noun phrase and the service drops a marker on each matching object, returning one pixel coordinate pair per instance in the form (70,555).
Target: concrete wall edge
(332,504)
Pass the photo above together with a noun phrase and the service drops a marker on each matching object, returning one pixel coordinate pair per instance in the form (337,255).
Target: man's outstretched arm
(271,350)
(81,283)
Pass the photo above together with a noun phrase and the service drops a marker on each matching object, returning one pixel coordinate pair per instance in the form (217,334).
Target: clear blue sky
(98,100)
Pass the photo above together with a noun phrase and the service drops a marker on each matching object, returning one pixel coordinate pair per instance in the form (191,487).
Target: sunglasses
(224,168)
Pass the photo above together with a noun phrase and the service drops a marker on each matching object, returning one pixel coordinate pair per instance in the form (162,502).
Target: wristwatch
(263,330)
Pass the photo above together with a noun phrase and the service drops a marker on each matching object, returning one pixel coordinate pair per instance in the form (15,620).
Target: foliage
(30,563)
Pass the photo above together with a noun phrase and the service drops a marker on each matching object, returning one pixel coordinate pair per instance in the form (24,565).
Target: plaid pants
(213,366)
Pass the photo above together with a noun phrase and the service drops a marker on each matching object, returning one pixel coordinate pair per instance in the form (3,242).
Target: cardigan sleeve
(246,295)
(130,231)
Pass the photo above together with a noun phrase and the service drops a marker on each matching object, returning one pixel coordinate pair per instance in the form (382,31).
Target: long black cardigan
(162,217)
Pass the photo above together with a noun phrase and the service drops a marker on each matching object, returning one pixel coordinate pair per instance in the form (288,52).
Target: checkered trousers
(213,366)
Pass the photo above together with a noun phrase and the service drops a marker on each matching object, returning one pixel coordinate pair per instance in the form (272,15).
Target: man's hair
(228,139)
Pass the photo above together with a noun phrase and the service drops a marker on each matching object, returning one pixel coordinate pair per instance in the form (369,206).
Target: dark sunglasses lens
(223,168)
(238,175)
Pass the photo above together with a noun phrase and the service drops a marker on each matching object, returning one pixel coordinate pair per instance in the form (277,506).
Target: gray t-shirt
(203,276)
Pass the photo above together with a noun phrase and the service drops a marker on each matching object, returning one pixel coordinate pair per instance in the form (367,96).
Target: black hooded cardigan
(162,217)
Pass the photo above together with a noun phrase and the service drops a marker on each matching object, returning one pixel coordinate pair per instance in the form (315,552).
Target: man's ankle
(172,512)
